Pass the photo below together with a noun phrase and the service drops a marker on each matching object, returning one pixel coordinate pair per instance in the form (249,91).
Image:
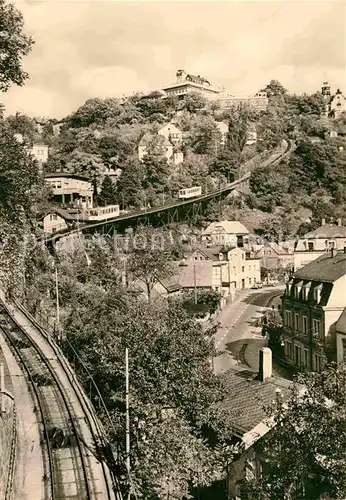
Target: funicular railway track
(72,470)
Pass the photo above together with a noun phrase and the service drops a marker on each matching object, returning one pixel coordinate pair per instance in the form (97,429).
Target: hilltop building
(186,83)
(258,102)
(313,302)
(335,103)
(315,243)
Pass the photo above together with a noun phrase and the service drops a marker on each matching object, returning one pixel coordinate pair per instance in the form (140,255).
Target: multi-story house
(172,133)
(341,338)
(226,232)
(275,256)
(186,83)
(163,145)
(315,243)
(335,104)
(311,305)
(234,267)
(70,189)
(39,152)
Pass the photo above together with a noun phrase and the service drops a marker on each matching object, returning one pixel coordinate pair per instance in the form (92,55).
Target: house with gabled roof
(312,304)
(247,396)
(275,256)
(315,243)
(225,232)
(164,144)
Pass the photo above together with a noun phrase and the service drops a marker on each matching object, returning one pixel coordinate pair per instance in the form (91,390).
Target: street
(238,339)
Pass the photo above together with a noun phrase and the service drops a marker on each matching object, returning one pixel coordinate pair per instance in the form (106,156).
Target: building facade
(172,133)
(311,306)
(233,268)
(70,189)
(186,83)
(226,232)
(335,104)
(40,152)
(258,102)
(274,256)
(315,243)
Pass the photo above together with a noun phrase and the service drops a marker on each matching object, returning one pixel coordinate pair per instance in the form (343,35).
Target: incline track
(71,469)
(275,158)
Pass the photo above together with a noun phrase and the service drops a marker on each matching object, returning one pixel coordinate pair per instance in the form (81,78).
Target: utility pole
(57,301)
(2,389)
(194,282)
(127,410)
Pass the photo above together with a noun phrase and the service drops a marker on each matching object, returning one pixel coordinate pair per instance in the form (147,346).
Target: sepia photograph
(172,250)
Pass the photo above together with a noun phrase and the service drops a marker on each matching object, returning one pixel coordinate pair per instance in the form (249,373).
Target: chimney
(339,221)
(323,222)
(334,252)
(265,364)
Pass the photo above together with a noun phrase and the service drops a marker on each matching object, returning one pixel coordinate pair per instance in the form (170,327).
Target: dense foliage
(305,455)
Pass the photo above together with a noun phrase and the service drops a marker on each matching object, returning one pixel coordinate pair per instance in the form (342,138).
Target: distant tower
(181,75)
(325,90)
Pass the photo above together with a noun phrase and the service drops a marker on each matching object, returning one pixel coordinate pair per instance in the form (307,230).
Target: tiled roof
(247,397)
(324,269)
(196,79)
(201,271)
(229,226)
(327,231)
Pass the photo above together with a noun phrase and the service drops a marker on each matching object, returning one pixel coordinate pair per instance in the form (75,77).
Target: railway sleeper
(42,379)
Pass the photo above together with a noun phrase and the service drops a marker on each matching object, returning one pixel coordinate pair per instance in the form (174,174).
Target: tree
(108,194)
(18,176)
(14,46)
(274,88)
(193,102)
(226,163)
(130,184)
(305,452)
(149,260)
(172,396)
(237,129)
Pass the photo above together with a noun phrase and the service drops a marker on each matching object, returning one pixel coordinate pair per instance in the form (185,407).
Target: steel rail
(83,400)
(64,398)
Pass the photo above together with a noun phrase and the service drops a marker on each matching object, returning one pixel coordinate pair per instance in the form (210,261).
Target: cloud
(109,48)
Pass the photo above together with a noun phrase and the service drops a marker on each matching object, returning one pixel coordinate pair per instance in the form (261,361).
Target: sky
(103,48)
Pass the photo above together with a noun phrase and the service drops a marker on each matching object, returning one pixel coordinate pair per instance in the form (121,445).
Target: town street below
(238,338)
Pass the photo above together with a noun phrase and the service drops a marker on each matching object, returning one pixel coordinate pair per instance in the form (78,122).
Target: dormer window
(297,290)
(220,256)
(310,246)
(289,287)
(317,293)
(306,289)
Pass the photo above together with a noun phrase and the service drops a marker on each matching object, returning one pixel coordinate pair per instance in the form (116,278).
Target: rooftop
(247,397)
(327,231)
(229,226)
(324,269)
(66,176)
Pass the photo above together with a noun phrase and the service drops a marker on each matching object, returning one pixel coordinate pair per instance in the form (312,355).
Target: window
(305,324)
(296,322)
(310,246)
(297,355)
(250,280)
(316,327)
(288,349)
(331,245)
(243,269)
(243,256)
(297,289)
(318,362)
(288,318)
(344,350)
(317,294)
(305,358)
